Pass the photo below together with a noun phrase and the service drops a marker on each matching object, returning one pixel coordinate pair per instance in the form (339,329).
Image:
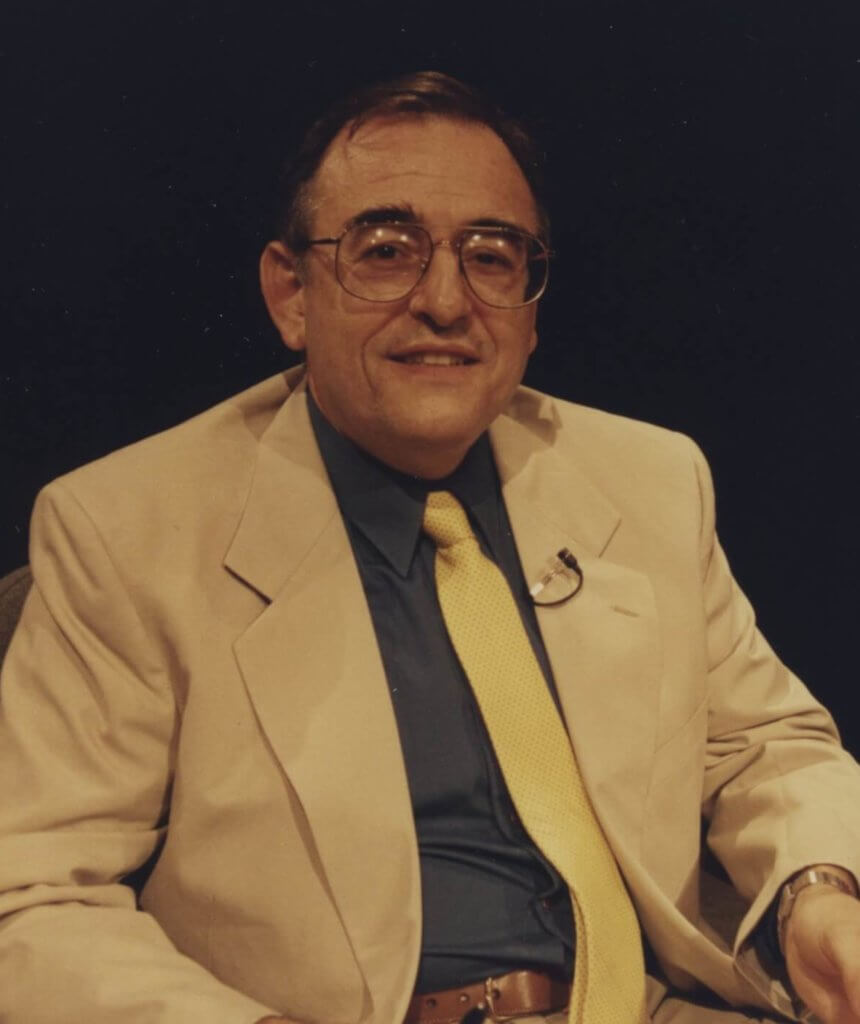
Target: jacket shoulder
(211,441)
(598,438)
(193,477)
(650,474)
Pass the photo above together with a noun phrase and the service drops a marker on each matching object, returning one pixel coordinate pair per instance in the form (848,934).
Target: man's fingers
(843,950)
(824,958)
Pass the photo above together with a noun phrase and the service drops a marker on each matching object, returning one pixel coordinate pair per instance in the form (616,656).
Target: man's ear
(283,290)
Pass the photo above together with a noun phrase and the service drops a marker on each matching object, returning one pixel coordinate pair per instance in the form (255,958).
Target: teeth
(434,359)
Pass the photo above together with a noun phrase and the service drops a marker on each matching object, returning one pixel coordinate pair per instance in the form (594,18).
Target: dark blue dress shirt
(491,902)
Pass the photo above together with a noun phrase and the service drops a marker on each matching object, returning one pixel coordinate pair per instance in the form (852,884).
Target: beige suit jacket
(197,665)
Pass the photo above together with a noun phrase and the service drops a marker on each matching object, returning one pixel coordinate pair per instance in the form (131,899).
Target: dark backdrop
(704,176)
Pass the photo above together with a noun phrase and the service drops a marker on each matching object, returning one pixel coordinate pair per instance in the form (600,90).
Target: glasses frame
(455,244)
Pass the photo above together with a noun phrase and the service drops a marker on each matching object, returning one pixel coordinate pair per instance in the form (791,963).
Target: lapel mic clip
(562,581)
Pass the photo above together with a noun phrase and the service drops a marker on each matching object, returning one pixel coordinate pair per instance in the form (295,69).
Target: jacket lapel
(602,643)
(314,674)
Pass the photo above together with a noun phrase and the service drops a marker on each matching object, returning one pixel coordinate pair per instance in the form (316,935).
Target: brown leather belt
(512,995)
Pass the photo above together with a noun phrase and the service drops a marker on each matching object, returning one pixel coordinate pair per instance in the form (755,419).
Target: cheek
(514,332)
(515,344)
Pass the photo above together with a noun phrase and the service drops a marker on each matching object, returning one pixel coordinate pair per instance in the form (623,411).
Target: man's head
(416,378)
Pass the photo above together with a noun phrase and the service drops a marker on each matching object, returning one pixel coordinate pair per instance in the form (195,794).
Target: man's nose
(442,295)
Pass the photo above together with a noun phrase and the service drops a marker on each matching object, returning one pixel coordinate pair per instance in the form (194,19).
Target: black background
(704,180)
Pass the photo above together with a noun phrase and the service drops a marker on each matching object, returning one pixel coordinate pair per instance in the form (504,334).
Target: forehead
(448,171)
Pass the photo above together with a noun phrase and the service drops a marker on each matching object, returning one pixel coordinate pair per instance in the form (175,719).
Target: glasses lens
(504,267)
(382,261)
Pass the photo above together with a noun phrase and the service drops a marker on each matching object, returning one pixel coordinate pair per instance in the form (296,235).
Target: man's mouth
(434,359)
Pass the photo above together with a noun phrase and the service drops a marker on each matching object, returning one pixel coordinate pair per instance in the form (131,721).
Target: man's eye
(495,258)
(384,252)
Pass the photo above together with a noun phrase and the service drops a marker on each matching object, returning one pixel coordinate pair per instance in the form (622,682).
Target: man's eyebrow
(495,222)
(392,213)
(404,213)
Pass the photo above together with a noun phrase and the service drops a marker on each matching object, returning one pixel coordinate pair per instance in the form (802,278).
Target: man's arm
(780,792)
(88,726)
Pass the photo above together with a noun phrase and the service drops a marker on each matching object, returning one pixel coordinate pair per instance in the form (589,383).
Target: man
(235,666)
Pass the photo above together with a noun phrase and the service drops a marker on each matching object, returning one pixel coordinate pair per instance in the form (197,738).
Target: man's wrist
(818,878)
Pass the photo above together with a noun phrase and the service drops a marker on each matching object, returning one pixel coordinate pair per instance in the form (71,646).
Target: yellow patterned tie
(537,761)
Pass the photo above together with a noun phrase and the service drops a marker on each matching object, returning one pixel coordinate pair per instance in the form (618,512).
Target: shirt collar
(388,506)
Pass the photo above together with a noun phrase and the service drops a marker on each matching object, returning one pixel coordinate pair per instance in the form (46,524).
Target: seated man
(402,689)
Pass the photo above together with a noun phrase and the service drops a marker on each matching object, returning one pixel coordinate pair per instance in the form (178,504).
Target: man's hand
(822,953)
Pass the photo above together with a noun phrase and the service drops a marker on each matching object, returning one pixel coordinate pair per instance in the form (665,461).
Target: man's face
(418,416)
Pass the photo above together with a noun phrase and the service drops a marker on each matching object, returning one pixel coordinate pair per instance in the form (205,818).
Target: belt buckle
(492,993)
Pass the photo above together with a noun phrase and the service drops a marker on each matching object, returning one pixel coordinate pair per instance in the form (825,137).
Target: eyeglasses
(504,267)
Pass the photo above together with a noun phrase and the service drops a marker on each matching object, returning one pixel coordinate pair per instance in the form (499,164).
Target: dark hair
(420,93)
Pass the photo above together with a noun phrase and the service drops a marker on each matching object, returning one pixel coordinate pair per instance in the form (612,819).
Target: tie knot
(445,519)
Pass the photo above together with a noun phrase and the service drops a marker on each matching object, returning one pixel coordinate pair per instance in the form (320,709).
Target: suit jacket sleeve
(779,791)
(88,727)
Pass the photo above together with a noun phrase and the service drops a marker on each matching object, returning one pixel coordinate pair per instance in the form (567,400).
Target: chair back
(14,587)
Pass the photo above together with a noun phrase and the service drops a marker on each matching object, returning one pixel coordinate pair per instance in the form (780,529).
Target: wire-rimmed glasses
(382,262)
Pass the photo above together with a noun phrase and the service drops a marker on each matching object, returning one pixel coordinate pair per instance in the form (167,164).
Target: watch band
(801,881)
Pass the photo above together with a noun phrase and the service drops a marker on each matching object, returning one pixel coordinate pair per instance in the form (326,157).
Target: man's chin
(430,447)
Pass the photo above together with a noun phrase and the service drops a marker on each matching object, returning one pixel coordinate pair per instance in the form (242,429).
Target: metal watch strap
(801,881)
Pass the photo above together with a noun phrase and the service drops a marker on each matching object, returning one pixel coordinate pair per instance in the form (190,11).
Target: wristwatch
(801,881)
